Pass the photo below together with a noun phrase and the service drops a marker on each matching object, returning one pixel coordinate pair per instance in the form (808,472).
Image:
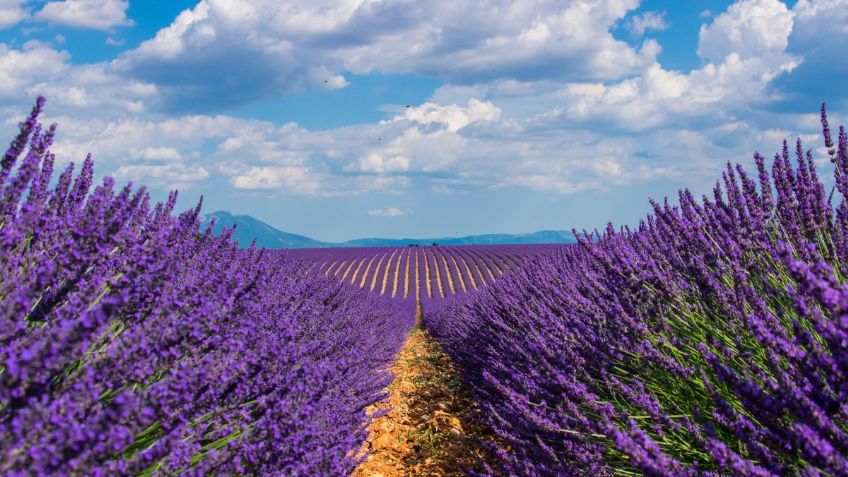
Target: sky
(421,118)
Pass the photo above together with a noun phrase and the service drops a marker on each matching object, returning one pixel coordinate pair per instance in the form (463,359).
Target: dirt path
(429,430)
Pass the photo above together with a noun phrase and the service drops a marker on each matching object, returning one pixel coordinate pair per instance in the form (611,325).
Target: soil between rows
(430,429)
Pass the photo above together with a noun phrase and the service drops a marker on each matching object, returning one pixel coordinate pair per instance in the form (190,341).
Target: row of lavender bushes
(710,340)
(134,343)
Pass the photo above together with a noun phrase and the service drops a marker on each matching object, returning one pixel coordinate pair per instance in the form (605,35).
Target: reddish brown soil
(430,430)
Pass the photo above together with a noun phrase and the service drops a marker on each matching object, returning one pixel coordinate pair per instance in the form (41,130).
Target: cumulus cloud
(504,119)
(259,156)
(37,68)
(170,176)
(287,179)
(36,63)
(745,51)
(819,36)
(94,14)
(12,12)
(156,154)
(235,52)
(376,163)
(749,28)
(638,25)
(322,77)
(389,212)
(453,116)
(660,98)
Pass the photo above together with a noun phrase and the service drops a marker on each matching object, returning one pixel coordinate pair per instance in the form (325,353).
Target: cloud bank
(536,95)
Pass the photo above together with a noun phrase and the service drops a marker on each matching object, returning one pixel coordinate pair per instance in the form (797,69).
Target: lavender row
(710,340)
(135,343)
(435,273)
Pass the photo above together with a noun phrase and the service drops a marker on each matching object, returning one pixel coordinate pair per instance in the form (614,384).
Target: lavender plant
(710,340)
(134,343)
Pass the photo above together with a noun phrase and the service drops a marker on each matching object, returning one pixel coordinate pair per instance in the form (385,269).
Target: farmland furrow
(365,273)
(406,275)
(397,275)
(417,280)
(311,267)
(386,272)
(356,272)
(377,271)
(347,270)
(443,263)
(438,274)
(492,261)
(430,428)
(468,272)
(482,279)
(458,273)
(327,270)
(427,273)
(338,268)
(481,262)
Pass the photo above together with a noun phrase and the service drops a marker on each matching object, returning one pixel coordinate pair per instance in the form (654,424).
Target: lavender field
(712,339)
(428,275)
(134,343)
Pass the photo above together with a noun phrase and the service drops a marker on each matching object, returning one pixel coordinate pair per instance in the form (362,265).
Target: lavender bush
(134,343)
(710,340)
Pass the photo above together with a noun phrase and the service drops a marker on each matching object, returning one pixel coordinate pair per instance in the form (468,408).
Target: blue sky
(352,118)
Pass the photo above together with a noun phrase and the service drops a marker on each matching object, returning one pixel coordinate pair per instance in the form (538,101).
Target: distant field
(433,273)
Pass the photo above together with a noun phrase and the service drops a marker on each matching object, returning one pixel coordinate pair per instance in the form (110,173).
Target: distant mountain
(544,236)
(248,228)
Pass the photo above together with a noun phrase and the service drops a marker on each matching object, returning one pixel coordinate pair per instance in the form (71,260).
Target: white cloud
(322,77)
(170,176)
(820,36)
(745,47)
(376,163)
(38,69)
(35,63)
(94,14)
(288,179)
(502,120)
(453,117)
(169,42)
(12,12)
(659,98)
(389,212)
(233,52)
(749,28)
(820,27)
(156,154)
(639,24)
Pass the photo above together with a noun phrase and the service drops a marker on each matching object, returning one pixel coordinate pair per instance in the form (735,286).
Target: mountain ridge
(248,228)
